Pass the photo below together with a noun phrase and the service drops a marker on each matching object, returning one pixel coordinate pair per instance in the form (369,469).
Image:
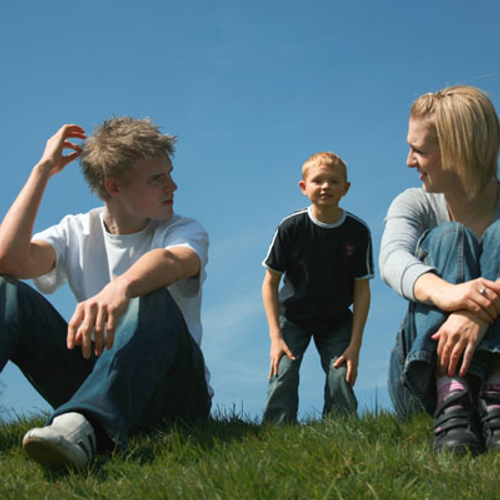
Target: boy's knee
(159,305)
(8,280)
(13,291)
(287,367)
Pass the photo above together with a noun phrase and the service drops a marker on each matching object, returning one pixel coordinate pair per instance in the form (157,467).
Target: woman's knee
(447,236)
(450,247)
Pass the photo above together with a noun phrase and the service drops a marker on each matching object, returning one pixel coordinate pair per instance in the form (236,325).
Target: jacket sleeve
(409,216)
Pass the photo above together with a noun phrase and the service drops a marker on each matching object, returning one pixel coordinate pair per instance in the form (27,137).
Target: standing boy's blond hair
(324,159)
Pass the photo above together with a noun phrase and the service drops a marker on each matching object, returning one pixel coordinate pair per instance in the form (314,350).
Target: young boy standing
(136,269)
(325,255)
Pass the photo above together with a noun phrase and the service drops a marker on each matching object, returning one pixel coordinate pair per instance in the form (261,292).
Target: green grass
(373,457)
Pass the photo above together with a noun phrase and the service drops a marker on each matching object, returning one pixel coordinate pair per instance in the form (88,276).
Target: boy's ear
(302,185)
(347,186)
(111,187)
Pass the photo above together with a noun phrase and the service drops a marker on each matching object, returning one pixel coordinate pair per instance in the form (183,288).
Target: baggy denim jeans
(154,372)
(458,257)
(282,396)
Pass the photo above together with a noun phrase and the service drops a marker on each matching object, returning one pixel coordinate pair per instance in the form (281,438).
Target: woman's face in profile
(424,155)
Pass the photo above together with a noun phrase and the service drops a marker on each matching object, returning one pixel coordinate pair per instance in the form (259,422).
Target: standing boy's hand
(278,350)
(351,358)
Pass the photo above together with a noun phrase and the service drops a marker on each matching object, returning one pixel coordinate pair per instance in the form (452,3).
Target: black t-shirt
(320,263)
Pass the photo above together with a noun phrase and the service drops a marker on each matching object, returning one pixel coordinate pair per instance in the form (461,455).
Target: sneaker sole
(50,454)
(458,449)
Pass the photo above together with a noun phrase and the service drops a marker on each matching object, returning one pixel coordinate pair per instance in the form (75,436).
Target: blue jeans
(458,257)
(282,397)
(155,370)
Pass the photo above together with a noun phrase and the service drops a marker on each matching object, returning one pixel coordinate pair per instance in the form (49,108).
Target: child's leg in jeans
(282,394)
(339,395)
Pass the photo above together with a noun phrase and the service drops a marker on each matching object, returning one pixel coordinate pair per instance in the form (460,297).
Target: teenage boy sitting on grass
(135,267)
(325,255)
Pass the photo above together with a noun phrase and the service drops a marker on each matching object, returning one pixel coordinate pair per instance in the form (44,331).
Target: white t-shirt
(88,258)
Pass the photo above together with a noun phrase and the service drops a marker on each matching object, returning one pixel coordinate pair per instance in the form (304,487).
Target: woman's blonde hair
(467,130)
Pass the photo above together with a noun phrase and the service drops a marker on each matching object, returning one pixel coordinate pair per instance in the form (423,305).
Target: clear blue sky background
(252,89)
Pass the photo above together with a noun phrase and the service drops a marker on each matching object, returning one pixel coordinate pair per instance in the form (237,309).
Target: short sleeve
(186,232)
(364,267)
(276,256)
(56,236)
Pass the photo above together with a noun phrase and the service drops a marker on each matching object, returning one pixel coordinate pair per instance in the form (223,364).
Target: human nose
(170,186)
(411,160)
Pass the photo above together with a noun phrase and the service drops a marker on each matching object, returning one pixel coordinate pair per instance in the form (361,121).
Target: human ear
(346,188)
(302,185)
(111,187)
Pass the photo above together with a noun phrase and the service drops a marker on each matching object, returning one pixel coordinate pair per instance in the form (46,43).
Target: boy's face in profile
(324,185)
(148,192)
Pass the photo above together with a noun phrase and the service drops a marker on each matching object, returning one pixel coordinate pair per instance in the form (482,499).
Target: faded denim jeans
(154,372)
(458,257)
(283,398)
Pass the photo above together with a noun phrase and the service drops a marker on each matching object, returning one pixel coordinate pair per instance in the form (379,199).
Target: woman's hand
(459,335)
(479,296)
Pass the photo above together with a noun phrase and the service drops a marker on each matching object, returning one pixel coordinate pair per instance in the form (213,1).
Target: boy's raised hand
(351,358)
(278,350)
(53,158)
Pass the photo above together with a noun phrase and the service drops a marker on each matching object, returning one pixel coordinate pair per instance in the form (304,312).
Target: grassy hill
(373,457)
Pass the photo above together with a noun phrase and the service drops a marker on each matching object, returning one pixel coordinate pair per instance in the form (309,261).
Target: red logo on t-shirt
(349,249)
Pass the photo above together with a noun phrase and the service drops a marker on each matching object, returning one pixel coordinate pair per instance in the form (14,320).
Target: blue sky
(252,89)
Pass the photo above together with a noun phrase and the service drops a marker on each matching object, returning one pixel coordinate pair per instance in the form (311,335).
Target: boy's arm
(156,269)
(19,256)
(361,305)
(271,306)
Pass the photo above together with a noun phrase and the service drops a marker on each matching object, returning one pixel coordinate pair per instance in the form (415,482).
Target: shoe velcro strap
(455,413)
(492,418)
(457,398)
(450,425)
(491,398)
(452,420)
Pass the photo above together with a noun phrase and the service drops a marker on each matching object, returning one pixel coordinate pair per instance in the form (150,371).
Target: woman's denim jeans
(154,371)
(282,396)
(453,250)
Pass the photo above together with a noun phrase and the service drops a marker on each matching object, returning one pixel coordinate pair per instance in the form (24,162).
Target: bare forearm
(480,296)
(427,286)
(17,227)
(361,306)
(270,300)
(19,257)
(159,268)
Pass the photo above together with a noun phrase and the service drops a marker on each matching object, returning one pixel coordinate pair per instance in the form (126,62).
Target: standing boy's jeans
(458,257)
(154,371)
(282,397)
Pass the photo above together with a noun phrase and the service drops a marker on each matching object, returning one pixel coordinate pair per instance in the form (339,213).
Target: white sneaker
(68,440)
